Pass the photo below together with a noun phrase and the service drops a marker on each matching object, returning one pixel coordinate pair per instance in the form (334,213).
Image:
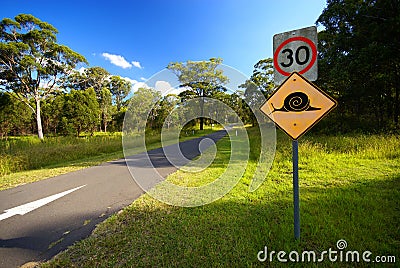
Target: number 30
(289,56)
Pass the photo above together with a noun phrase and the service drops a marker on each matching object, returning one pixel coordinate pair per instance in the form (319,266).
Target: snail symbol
(296,102)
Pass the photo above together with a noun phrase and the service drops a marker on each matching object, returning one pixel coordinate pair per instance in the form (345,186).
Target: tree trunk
(396,105)
(39,120)
(118,103)
(202,113)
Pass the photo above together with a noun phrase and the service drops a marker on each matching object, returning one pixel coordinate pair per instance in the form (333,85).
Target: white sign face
(296,51)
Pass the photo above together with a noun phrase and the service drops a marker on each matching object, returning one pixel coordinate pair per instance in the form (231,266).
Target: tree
(52,109)
(14,115)
(237,103)
(119,89)
(263,76)
(164,111)
(359,60)
(253,98)
(92,77)
(32,64)
(221,111)
(80,112)
(106,108)
(118,119)
(142,108)
(106,88)
(260,83)
(201,79)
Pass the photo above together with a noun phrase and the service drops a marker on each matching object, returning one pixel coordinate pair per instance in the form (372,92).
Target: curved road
(40,219)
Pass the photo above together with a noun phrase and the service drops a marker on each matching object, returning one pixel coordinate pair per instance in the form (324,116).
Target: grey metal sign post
(296,194)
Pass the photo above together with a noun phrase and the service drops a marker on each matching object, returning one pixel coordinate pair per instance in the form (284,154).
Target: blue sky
(137,39)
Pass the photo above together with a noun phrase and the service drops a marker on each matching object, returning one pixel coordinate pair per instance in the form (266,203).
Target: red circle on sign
(293,39)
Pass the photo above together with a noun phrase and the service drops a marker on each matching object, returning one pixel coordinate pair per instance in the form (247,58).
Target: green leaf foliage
(359,51)
(80,112)
(200,78)
(32,63)
(14,115)
(120,89)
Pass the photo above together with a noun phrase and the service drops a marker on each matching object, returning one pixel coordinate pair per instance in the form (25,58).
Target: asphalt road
(40,219)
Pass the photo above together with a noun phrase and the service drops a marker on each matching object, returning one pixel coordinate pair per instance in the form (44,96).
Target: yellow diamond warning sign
(297,105)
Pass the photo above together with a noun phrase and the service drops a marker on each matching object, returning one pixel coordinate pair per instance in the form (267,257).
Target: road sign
(297,105)
(295,51)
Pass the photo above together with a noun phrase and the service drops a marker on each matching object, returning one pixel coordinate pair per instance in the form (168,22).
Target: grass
(349,189)
(28,153)
(27,159)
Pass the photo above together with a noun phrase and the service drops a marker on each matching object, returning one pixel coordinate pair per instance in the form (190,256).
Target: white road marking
(23,209)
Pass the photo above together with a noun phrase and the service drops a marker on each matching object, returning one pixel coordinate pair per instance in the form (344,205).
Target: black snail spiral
(296,102)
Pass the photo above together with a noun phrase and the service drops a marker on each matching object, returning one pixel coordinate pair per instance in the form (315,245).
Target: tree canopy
(80,112)
(201,79)
(359,61)
(259,85)
(32,64)
(92,77)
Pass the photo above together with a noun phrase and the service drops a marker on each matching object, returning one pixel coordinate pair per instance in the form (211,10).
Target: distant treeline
(93,101)
(83,111)
(42,92)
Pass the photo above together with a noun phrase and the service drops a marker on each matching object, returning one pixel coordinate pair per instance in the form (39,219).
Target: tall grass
(26,153)
(376,146)
(30,153)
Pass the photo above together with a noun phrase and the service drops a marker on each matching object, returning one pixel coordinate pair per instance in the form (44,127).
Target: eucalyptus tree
(200,79)
(32,64)
(259,85)
(120,89)
(144,105)
(93,77)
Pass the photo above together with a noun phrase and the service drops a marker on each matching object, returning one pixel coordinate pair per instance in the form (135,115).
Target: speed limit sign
(295,51)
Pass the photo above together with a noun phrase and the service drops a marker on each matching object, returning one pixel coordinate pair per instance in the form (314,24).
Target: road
(38,220)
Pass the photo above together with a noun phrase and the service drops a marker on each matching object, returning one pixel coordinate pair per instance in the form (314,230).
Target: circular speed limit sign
(296,51)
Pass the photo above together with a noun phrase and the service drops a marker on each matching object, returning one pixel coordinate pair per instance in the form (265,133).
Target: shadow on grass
(231,231)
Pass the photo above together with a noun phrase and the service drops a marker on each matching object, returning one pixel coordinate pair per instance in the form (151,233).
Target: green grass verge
(27,159)
(349,189)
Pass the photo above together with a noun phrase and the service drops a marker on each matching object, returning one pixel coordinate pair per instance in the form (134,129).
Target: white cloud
(138,85)
(162,86)
(120,61)
(165,88)
(143,79)
(117,60)
(135,84)
(133,81)
(136,64)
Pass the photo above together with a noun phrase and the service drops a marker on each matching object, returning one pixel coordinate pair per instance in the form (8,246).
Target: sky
(137,39)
